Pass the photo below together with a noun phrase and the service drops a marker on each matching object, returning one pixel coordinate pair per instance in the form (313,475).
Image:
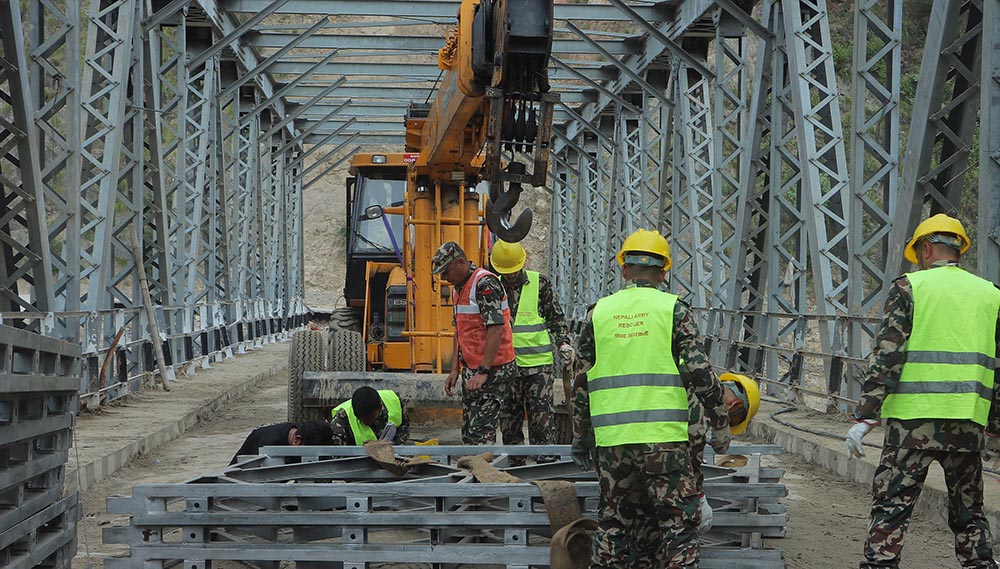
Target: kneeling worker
(284,434)
(370,415)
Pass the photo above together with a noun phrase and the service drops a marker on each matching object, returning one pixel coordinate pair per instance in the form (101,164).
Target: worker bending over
(483,354)
(632,404)
(284,434)
(370,415)
(538,325)
(741,396)
(932,379)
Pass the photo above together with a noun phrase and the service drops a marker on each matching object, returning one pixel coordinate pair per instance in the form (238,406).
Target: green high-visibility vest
(362,432)
(636,391)
(532,344)
(951,352)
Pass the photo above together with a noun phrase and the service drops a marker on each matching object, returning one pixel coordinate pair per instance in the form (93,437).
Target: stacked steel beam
(39,379)
(335,507)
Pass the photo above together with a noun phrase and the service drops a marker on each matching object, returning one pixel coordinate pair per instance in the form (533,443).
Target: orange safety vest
(470,329)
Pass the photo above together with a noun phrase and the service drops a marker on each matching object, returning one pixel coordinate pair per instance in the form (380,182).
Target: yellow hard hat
(749,388)
(507,258)
(645,241)
(939,223)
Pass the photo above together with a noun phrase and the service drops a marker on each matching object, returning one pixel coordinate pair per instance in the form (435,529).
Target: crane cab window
(383,187)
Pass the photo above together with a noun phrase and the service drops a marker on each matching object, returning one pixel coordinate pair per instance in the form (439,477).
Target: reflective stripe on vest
(362,432)
(635,389)
(532,344)
(951,352)
(470,329)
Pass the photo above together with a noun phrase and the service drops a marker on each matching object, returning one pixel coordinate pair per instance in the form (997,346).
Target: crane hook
(498,209)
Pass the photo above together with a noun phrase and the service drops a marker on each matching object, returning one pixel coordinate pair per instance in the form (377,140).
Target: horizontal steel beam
(381,140)
(416,44)
(372,110)
(435,9)
(420,71)
(410,94)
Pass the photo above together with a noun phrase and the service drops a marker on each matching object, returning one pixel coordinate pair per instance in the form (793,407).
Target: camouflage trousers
(531,394)
(481,408)
(649,511)
(898,481)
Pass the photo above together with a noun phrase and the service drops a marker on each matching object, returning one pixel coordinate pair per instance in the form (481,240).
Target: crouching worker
(370,415)
(741,396)
(285,434)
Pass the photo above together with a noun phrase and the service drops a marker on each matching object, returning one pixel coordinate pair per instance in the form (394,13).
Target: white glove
(854,436)
(566,355)
(706,515)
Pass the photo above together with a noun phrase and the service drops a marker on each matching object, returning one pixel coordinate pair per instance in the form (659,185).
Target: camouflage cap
(445,254)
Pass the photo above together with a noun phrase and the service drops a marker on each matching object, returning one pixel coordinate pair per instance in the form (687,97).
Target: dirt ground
(827,515)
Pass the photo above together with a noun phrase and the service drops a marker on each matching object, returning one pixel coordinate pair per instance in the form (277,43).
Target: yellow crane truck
(452,183)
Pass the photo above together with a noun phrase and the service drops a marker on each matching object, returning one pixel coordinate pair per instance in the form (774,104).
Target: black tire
(562,425)
(347,351)
(307,353)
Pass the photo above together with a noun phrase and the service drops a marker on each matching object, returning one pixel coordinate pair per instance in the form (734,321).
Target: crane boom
(493,98)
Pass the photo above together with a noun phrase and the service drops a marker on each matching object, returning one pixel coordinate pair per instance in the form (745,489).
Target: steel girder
(874,163)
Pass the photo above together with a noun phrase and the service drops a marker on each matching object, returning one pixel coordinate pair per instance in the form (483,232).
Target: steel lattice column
(25,268)
(592,211)
(165,84)
(563,180)
(787,237)
(196,183)
(988,227)
(693,196)
(823,158)
(55,79)
(874,163)
(748,297)
(109,57)
(729,117)
(944,116)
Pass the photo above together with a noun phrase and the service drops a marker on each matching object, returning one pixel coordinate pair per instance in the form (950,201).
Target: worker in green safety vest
(538,324)
(630,412)
(933,379)
(370,415)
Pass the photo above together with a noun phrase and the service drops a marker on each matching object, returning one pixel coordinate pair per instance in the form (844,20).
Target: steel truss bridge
(195,126)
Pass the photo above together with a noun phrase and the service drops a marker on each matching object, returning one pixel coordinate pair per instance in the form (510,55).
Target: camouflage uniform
(343,435)
(481,408)
(697,438)
(530,391)
(912,445)
(649,511)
